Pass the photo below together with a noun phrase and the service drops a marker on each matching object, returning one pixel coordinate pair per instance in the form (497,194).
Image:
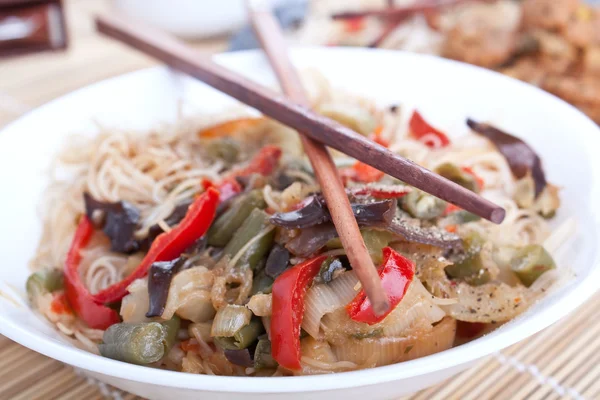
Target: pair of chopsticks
(315,129)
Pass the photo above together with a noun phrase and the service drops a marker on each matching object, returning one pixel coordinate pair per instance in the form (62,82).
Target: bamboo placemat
(560,362)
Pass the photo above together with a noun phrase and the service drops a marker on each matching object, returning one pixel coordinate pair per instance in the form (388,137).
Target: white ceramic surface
(190,19)
(445,91)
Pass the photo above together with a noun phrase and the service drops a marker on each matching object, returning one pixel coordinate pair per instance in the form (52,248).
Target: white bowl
(447,92)
(191,19)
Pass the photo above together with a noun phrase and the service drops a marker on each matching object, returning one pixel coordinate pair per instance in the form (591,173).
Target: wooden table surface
(561,362)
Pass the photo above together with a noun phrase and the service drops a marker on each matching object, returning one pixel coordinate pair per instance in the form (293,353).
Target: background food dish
(341,66)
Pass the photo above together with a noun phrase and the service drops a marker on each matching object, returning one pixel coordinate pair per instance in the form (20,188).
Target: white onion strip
(325,298)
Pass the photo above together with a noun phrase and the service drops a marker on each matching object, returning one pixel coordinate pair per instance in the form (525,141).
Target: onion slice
(389,350)
(325,298)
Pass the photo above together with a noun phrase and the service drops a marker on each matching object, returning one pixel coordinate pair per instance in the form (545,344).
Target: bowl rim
(437,362)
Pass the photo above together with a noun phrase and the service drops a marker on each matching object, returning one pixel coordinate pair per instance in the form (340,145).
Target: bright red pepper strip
(396,273)
(94,314)
(288,309)
(381,192)
(419,128)
(263,163)
(169,245)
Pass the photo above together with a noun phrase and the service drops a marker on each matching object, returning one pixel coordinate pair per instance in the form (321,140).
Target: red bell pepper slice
(288,309)
(169,245)
(95,314)
(263,163)
(361,172)
(420,129)
(396,274)
(381,191)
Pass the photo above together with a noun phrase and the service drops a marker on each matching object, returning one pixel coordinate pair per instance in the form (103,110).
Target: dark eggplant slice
(521,158)
(118,221)
(432,235)
(277,261)
(316,213)
(159,281)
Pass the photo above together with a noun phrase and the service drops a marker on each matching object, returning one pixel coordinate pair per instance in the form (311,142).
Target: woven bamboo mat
(560,362)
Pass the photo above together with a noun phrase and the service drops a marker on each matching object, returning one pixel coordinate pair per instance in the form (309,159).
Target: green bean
(460,217)
(471,267)
(262,283)
(223,229)
(457,175)
(243,338)
(140,343)
(44,281)
(225,149)
(530,262)
(256,223)
(263,359)
(422,205)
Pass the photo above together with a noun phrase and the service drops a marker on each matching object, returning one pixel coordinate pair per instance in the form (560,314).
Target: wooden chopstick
(273,43)
(179,56)
(401,12)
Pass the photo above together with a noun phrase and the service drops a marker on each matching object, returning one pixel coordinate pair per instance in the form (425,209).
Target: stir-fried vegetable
(277,261)
(142,343)
(423,131)
(256,223)
(263,358)
(521,158)
(169,245)
(223,229)
(263,163)
(44,281)
(243,338)
(288,308)
(262,283)
(422,205)
(380,191)
(225,149)
(396,274)
(239,357)
(329,268)
(374,239)
(471,266)
(316,213)
(530,262)
(159,280)
(119,221)
(229,320)
(93,313)
(460,176)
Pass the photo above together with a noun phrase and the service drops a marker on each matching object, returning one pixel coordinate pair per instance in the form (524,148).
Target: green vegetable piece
(378,332)
(530,262)
(375,240)
(455,174)
(244,337)
(263,359)
(44,281)
(471,267)
(141,343)
(422,205)
(262,283)
(256,223)
(223,229)
(461,217)
(225,149)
